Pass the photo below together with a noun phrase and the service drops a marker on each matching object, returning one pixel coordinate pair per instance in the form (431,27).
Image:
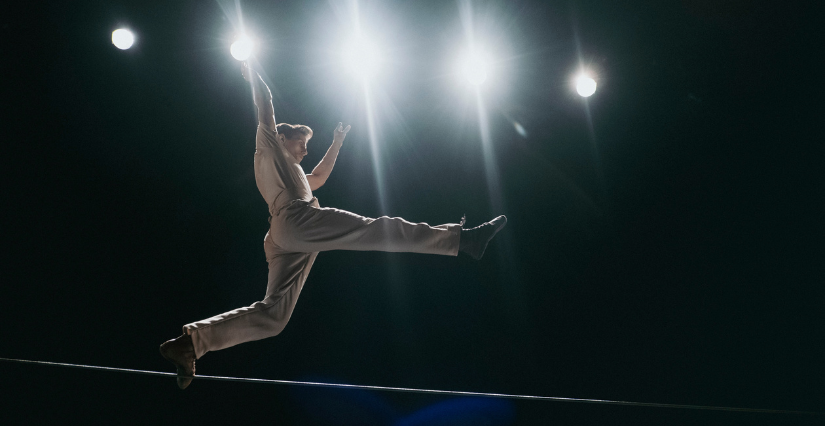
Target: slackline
(416,390)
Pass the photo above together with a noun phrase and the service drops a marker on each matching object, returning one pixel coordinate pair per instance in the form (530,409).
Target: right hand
(340,133)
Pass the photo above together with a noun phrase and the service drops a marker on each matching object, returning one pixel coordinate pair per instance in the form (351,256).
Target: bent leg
(267,318)
(307,228)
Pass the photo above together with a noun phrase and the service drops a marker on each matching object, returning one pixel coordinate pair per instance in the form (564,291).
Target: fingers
(347,129)
(340,128)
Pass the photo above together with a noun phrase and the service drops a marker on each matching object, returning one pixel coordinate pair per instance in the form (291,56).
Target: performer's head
(295,138)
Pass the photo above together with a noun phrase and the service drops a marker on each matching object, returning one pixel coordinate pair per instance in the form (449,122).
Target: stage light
(585,85)
(473,68)
(242,48)
(123,38)
(362,57)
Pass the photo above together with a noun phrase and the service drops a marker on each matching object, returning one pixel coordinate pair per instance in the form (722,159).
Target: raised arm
(262,97)
(321,172)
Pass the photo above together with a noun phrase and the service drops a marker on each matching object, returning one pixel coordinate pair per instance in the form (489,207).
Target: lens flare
(520,129)
(123,38)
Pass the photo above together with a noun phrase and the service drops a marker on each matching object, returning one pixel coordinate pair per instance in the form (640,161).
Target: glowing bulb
(473,68)
(242,48)
(586,86)
(362,58)
(123,38)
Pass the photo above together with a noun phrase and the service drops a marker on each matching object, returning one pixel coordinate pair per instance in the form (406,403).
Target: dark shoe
(474,241)
(181,352)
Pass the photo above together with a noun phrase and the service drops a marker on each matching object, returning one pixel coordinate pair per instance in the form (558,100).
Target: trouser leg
(305,227)
(287,273)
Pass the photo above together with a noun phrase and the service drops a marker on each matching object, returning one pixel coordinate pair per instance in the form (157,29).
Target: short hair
(290,131)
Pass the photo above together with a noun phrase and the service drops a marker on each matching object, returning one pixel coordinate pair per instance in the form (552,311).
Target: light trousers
(297,233)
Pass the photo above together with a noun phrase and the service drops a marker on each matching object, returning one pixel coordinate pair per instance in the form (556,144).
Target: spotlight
(123,38)
(242,48)
(362,57)
(473,68)
(585,85)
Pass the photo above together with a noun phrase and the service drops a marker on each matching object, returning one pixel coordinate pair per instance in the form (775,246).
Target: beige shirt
(279,176)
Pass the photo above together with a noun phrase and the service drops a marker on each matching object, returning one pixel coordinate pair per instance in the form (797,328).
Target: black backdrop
(665,249)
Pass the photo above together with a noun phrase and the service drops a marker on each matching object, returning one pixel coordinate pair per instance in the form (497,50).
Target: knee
(275,314)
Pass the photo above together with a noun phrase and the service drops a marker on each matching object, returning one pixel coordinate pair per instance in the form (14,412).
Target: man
(299,229)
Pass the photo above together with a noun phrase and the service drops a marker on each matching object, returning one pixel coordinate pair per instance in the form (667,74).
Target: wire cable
(425,391)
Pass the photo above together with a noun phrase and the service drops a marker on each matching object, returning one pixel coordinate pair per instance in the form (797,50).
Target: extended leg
(305,227)
(287,275)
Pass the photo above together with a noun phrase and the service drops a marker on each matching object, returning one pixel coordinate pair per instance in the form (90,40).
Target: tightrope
(416,390)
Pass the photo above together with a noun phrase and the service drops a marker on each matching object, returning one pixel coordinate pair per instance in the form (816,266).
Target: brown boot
(181,352)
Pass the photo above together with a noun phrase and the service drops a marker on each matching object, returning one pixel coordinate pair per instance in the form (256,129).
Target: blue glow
(462,411)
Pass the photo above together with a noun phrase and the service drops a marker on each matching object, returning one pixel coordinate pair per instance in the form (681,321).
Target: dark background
(668,250)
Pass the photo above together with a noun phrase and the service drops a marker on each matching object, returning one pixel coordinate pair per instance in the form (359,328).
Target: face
(297,146)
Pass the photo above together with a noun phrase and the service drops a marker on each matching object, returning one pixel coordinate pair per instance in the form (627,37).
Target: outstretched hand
(340,133)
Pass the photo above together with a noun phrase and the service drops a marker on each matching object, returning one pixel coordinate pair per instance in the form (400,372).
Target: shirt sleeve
(266,138)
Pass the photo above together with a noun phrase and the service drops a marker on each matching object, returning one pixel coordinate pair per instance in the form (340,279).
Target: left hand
(340,133)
